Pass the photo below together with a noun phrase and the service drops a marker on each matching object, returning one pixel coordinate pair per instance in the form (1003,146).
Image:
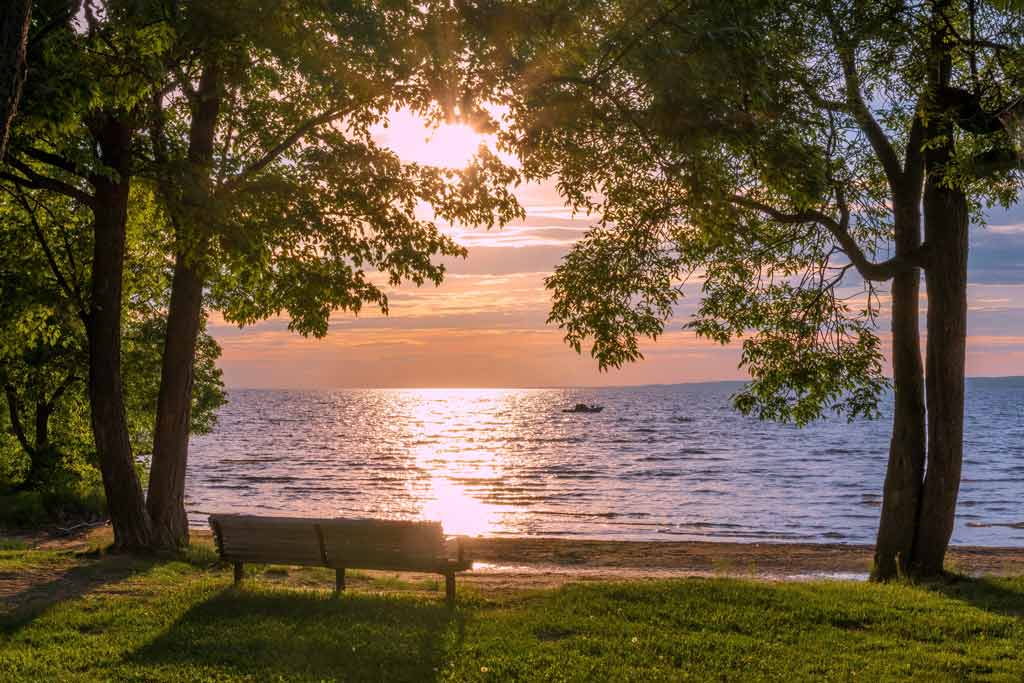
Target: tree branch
(969,114)
(69,291)
(69,253)
(61,18)
(15,415)
(827,104)
(996,162)
(50,158)
(184,82)
(859,109)
(636,38)
(61,388)
(38,181)
(913,168)
(868,269)
(280,148)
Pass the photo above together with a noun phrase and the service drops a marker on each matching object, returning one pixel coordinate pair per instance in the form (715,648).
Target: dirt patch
(30,589)
(16,584)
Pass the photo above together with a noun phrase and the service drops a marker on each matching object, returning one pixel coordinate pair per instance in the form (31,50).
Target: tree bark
(14,415)
(946,223)
(43,412)
(166,501)
(946,226)
(15,17)
(125,502)
(40,456)
(903,476)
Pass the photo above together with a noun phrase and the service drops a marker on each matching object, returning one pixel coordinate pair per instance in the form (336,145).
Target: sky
(485,325)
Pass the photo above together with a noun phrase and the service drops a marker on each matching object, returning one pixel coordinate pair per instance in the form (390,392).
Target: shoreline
(773,560)
(506,566)
(589,559)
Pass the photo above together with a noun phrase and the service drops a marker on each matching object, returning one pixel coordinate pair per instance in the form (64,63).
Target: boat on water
(583,408)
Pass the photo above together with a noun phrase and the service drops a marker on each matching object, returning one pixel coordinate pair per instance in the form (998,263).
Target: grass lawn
(141,620)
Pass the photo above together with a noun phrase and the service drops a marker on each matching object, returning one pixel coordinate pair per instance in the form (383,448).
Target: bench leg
(449,588)
(339,580)
(238,573)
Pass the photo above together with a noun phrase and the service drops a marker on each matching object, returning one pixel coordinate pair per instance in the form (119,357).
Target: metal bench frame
(440,564)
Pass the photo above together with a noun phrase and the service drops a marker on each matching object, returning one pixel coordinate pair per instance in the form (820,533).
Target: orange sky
(484,326)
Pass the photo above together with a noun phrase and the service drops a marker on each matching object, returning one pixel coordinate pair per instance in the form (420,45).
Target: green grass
(137,620)
(12,544)
(15,559)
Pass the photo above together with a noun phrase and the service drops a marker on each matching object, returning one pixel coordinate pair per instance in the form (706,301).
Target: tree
(80,115)
(15,18)
(774,152)
(40,352)
(291,223)
(253,121)
(45,243)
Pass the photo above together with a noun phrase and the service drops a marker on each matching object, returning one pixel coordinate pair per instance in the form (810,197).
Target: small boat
(583,408)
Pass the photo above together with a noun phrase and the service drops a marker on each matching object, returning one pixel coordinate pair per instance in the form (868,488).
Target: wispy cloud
(485,325)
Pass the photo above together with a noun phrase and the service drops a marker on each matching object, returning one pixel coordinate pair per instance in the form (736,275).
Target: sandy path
(501,566)
(777,560)
(558,560)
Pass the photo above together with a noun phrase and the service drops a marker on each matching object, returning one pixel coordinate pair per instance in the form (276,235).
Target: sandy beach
(589,559)
(502,564)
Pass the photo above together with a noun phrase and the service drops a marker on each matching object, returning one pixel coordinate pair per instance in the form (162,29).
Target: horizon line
(539,386)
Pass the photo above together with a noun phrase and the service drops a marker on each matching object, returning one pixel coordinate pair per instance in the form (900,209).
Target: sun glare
(450,145)
(462,475)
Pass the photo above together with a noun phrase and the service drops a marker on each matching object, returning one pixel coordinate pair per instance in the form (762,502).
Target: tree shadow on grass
(995,595)
(286,635)
(43,589)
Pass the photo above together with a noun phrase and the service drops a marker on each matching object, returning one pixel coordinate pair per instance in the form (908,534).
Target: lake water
(667,462)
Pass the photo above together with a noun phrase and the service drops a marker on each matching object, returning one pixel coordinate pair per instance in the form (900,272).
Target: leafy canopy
(305,213)
(753,148)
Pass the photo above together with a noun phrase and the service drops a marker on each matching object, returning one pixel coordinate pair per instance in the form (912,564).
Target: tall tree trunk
(903,476)
(946,223)
(15,17)
(125,502)
(166,500)
(946,226)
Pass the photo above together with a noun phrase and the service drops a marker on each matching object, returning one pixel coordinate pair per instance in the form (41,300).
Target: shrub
(12,544)
(67,500)
(23,509)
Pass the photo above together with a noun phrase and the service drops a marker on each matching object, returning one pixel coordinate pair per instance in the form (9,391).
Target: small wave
(376,453)
(989,525)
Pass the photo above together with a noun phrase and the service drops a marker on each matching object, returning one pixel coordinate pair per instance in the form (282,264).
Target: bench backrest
(382,544)
(353,543)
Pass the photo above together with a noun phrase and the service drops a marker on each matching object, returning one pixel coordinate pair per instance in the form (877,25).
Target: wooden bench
(339,544)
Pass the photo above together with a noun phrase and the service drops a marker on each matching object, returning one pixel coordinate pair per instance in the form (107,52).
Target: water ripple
(660,461)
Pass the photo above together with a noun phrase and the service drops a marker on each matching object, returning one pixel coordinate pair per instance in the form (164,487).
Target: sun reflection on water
(458,472)
(458,512)
(659,463)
